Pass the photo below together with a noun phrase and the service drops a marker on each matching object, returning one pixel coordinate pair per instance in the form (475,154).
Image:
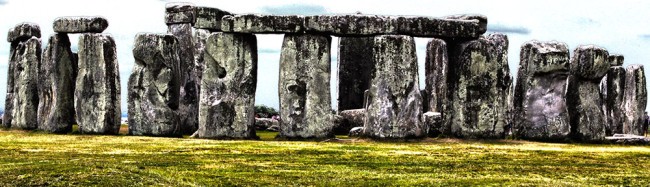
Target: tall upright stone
(394,103)
(436,71)
(154,86)
(355,66)
(540,106)
(588,66)
(200,38)
(21,101)
(478,85)
(304,88)
(227,108)
(635,99)
(97,90)
(179,18)
(56,85)
(612,91)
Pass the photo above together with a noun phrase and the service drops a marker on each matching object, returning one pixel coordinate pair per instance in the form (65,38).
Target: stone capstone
(209,18)
(393,102)
(304,87)
(615,59)
(154,86)
(355,66)
(348,119)
(634,100)
(179,13)
(80,24)
(226,109)
(190,82)
(540,106)
(22,89)
(23,31)
(254,23)
(478,85)
(97,90)
(56,85)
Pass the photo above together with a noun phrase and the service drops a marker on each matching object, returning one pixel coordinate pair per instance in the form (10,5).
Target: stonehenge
(200,78)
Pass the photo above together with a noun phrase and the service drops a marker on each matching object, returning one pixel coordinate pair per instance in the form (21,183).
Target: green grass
(32,158)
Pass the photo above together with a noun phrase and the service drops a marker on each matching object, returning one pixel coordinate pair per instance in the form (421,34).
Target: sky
(619,26)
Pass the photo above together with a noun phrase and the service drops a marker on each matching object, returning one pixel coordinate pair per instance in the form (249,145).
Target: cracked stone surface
(56,86)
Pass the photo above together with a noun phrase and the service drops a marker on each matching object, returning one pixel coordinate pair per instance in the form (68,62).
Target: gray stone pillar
(635,99)
(57,76)
(305,106)
(393,103)
(588,66)
(154,86)
(541,111)
(355,70)
(179,18)
(478,85)
(612,91)
(436,70)
(21,103)
(97,90)
(228,89)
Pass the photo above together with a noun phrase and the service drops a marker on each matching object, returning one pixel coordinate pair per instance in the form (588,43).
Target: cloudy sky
(620,26)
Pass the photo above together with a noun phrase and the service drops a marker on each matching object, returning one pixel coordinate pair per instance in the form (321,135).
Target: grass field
(32,158)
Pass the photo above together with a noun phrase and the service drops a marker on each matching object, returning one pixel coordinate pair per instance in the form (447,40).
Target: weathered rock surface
(190,82)
(305,107)
(228,88)
(56,82)
(180,12)
(614,110)
(478,85)
(22,89)
(541,111)
(254,23)
(635,99)
(199,38)
(433,123)
(209,18)
(265,123)
(393,103)
(154,86)
(80,24)
(436,70)
(23,31)
(615,59)
(482,20)
(97,90)
(348,119)
(355,66)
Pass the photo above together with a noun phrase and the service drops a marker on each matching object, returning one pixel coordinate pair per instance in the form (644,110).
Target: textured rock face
(348,119)
(97,90)
(209,18)
(154,86)
(80,24)
(482,20)
(541,111)
(179,13)
(228,87)
(305,107)
(57,75)
(199,38)
(253,23)
(614,110)
(478,85)
(436,70)
(433,123)
(588,66)
(23,31)
(266,123)
(635,99)
(615,60)
(22,88)
(393,103)
(355,70)
(190,85)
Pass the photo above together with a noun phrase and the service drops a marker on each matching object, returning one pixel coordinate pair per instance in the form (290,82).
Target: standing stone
(478,85)
(23,109)
(355,71)
(97,90)
(436,70)
(635,99)
(540,106)
(154,86)
(80,25)
(588,66)
(18,37)
(199,39)
(57,76)
(228,96)
(612,88)
(190,85)
(305,107)
(393,103)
